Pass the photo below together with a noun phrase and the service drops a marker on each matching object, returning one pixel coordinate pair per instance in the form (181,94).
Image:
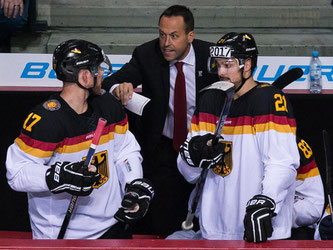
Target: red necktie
(180,117)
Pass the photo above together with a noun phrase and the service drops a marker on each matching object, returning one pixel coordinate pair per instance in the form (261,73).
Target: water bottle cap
(315,53)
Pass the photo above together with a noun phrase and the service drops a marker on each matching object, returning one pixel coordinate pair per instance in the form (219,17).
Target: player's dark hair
(180,10)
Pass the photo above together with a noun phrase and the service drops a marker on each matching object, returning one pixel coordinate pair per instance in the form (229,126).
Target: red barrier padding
(15,235)
(147,236)
(23,241)
(9,243)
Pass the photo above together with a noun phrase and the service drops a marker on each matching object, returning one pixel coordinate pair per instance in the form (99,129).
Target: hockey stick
(229,89)
(329,184)
(91,151)
(288,77)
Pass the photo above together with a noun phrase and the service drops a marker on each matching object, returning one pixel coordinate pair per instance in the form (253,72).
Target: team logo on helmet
(52,105)
(247,37)
(221,40)
(77,51)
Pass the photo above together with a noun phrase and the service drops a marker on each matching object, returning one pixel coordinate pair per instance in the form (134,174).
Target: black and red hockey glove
(135,203)
(71,177)
(258,218)
(199,152)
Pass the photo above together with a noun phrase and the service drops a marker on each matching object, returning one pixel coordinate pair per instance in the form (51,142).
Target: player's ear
(84,78)
(247,65)
(247,68)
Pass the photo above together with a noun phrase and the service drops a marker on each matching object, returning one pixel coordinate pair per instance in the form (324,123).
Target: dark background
(313,113)
(14,108)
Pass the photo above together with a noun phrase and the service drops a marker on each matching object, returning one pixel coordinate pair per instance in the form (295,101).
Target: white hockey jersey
(261,128)
(53,132)
(309,191)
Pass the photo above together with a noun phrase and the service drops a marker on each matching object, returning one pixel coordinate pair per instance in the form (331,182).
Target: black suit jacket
(149,68)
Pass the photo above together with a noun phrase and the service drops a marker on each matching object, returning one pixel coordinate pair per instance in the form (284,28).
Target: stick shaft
(327,149)
(330,204)
(187,224)
(91,151)
(329,184)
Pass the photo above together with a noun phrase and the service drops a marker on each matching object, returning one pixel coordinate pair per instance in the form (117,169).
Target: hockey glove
(70,177)
(135,203)
(326,228)
(258,218)
(199,152)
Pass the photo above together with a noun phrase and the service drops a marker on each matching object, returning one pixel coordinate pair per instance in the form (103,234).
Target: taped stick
(91,151)
(229,89)
(329,184)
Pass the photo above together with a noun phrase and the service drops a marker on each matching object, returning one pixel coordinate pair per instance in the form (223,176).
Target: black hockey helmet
(71,56)
(234,45)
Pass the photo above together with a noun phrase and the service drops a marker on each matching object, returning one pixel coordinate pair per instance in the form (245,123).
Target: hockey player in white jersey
(250,193)
(309,194)
(46,159)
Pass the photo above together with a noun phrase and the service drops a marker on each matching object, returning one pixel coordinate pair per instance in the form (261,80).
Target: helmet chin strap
(243,79)
(89,89)
(81,86)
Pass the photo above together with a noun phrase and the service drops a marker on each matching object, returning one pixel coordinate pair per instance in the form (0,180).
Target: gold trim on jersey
(32,151)
(244,129)
(206,126)
(313,172)
(328,209)
(118,129)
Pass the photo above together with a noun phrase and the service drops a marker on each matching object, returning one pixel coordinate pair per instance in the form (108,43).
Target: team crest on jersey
(225,167)
(100,160)
(52,105)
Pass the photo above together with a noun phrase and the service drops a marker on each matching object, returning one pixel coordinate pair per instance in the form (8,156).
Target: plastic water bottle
(315,73)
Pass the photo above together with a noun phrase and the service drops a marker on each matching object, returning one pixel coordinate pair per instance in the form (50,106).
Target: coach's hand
(72,178)
(124,92)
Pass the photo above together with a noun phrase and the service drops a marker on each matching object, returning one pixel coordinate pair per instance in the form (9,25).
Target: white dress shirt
(189,72)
